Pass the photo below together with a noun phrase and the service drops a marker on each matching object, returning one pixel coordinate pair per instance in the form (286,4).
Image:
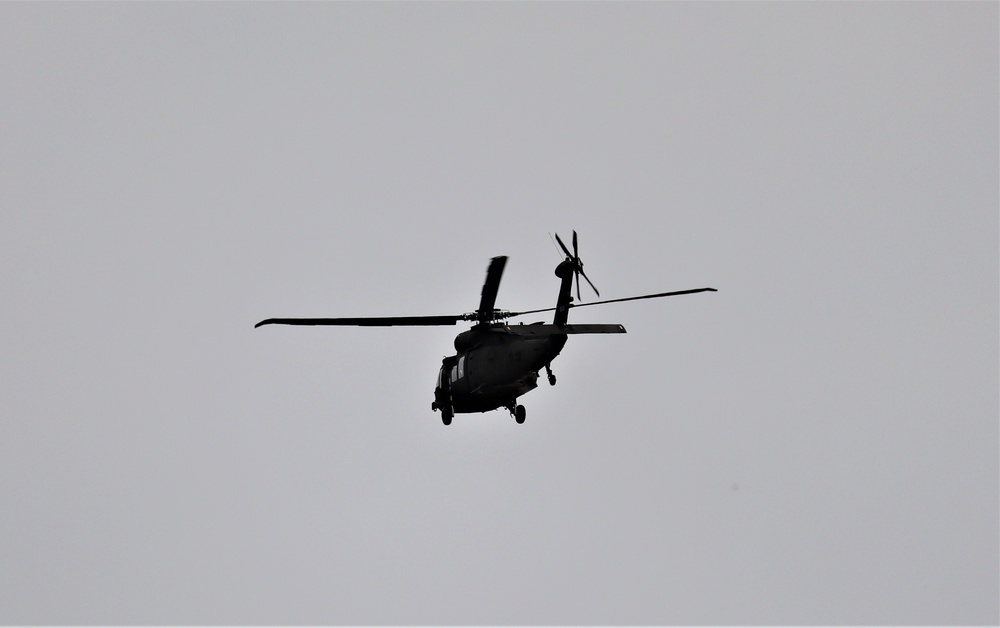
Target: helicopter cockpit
(454,366)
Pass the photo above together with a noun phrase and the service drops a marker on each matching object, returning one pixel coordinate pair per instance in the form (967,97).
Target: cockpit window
(457,372)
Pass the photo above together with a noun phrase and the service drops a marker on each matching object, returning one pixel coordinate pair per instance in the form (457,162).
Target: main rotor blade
(645,296)
(515,314)
(487,301)
(576,251)
(378,321)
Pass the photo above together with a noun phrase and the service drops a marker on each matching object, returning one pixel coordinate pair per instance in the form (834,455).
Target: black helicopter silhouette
(496,363)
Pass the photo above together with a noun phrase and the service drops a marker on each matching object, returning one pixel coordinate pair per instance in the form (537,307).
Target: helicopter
(497,363)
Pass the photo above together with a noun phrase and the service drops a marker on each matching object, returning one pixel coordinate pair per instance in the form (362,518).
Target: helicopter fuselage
(493,367)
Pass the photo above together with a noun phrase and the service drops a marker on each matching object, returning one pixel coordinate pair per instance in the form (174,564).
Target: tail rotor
(574,258)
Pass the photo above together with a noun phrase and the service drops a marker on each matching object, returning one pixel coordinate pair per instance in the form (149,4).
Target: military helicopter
(497,363)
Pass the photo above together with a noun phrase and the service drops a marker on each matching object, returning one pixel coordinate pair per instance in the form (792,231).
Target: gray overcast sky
(815,443)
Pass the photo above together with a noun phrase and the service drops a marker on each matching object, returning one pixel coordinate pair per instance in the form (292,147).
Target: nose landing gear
(516,411)
(442,394)
(444,405)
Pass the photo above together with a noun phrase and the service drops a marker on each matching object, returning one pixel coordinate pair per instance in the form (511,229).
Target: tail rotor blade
(565,250)
(596,291)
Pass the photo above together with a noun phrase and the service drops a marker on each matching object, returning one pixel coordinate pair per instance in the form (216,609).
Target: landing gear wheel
(446,415)
(519,414)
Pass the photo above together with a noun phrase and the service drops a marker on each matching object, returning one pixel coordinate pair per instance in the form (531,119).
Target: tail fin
(565,273)
(571,267)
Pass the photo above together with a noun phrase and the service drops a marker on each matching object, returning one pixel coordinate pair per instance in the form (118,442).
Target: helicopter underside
(495,397)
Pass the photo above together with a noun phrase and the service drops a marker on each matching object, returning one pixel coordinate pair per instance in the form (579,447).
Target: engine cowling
(466,340)
(478,335)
